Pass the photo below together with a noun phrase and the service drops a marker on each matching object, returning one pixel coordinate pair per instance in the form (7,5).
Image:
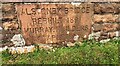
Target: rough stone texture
(97,27)
(18,40)
(69,44)
(6,44)
(104,35)
(111,27)
(106,8)
(8,12)
(9,16)
(106,27)
(106,22)
(76,38)
(112,34)
(104,41)
(67,25)
(95,35)
(10,25)
(21,50)
(1,37)
(45,47)
(106,18)
(7,7)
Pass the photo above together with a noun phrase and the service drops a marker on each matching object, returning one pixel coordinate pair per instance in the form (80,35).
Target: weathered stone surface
(7,7)
(69,44)
(110,27)
(50,25)
(104,34)
(118,20)
(21,50)
(76,37)
(45,47)
(1,37)
(104,13)
(117,8)
(10,25)
(105,18)
(103,37)
(0,15)
(112,34)
(6,44)
(9,16)
(104,41)
(97,27)
(8,34)
(95,35)
(106,8)
(106,27)
(8,12)
(7,37)
(18,40)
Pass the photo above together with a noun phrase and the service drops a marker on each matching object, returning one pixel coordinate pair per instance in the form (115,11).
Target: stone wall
(9,22)
(106,21)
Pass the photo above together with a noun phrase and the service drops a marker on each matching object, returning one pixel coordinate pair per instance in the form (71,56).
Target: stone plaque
(54,23)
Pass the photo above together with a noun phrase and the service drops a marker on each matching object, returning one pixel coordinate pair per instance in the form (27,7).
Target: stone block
(106,8)
(10,25)
(9,16)
(21,50)
(106,27)
(18,40)
(97,27)
(105,18)
(110,27)
(112,34)
(7,7)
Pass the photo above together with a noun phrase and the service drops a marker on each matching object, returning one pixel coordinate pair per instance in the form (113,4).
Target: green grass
(91,52)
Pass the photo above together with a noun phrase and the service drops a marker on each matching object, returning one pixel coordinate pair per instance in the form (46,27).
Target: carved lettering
(54,23)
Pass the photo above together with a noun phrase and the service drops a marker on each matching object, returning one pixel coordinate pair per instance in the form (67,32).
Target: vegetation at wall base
(90,52)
